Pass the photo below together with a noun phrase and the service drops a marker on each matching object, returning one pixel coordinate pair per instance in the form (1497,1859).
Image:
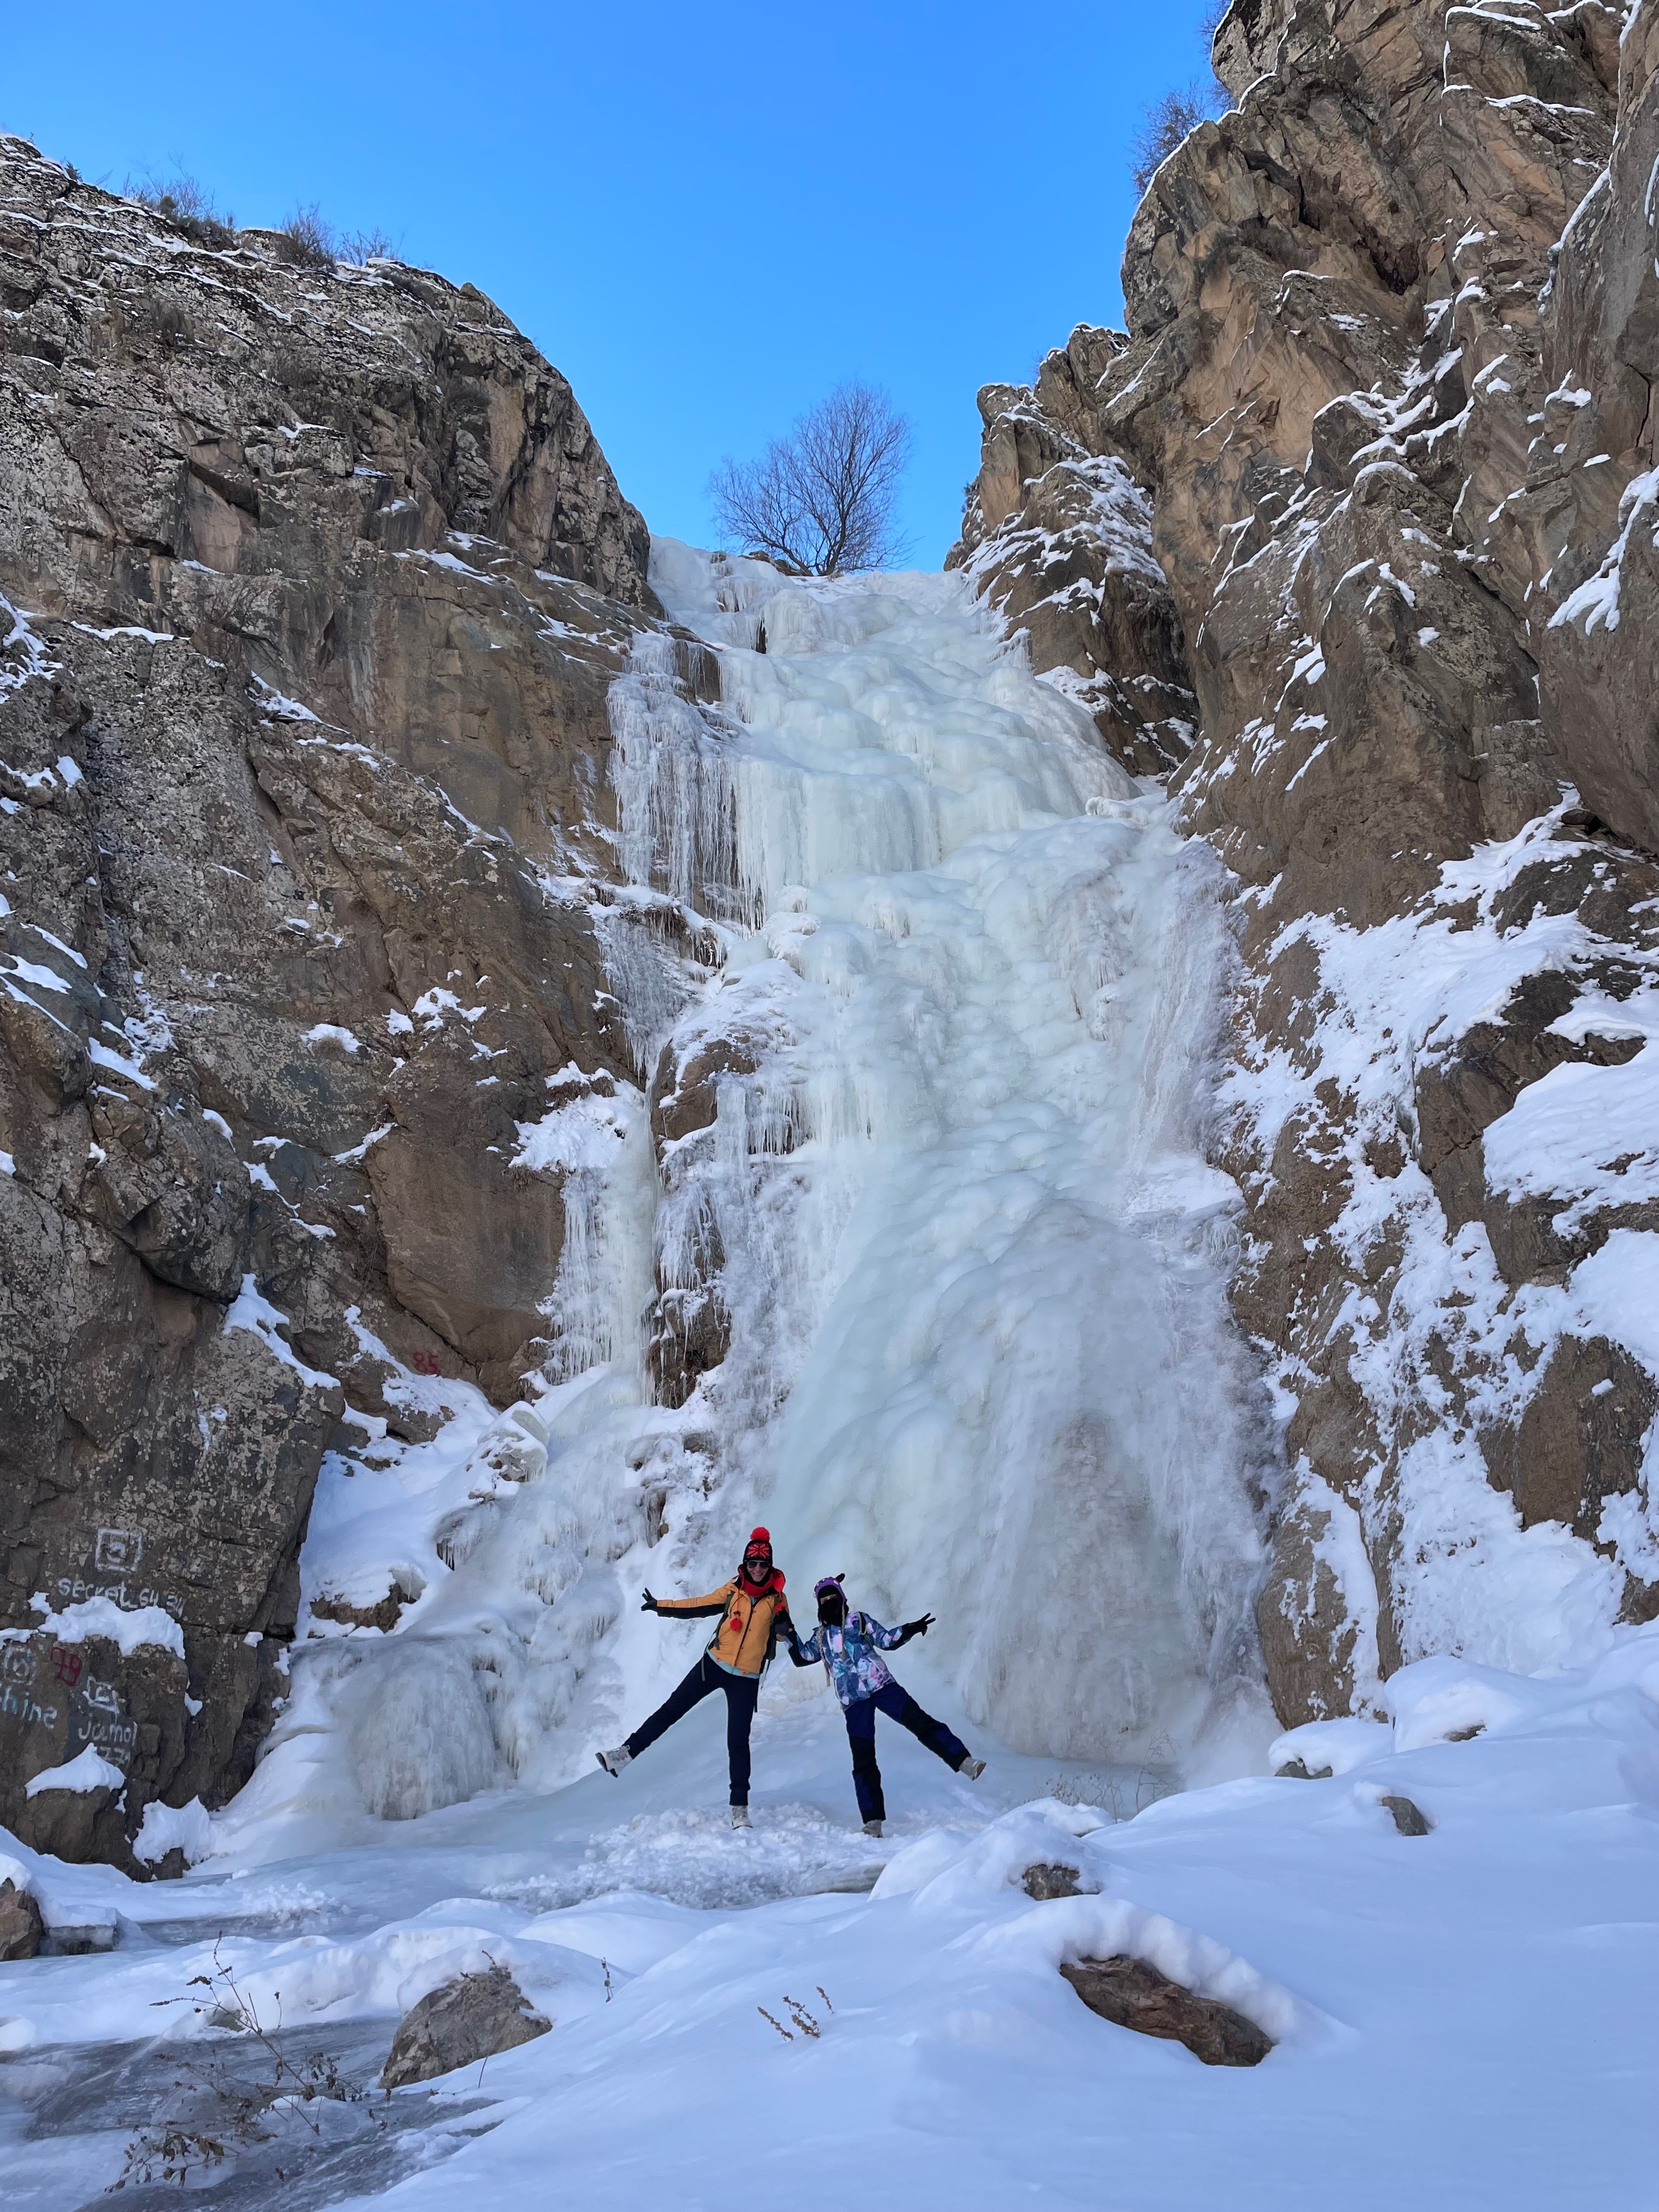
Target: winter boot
(872,1827)
(971,1769)
(740,1817)
(614,1761)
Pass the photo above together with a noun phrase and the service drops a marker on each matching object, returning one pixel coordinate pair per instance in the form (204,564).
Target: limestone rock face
(1059,540)
(1587,522)
(1385,387)
(313,587)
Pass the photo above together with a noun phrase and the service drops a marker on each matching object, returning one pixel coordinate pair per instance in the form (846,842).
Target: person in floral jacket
(849,1645)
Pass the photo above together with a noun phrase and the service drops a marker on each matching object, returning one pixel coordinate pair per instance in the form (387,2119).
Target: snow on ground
(1466,2017)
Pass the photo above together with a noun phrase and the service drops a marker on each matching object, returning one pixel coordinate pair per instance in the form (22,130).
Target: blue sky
(706,216)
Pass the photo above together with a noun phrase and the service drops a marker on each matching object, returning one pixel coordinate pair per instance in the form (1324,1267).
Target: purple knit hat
(829,1582)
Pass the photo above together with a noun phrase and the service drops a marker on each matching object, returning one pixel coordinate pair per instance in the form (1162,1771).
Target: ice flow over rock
(933,1270)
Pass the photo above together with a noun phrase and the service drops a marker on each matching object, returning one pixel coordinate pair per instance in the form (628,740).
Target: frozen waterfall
(944,1208)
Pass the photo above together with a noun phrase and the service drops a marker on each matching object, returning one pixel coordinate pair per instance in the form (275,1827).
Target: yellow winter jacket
(748,1627)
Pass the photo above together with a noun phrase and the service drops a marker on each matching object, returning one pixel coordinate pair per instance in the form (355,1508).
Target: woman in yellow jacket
(753,1612)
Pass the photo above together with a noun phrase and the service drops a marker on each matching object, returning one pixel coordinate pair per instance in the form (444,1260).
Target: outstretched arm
(885,1639)
(912,1628)
(688,1608)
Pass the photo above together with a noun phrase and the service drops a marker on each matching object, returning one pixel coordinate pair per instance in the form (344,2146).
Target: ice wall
(983,1273)
(951,1202)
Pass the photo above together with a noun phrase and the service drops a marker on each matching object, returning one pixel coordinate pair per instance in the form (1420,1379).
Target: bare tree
(1172,117)
(820,501)
(314,241)
(183,203)
(1167,123)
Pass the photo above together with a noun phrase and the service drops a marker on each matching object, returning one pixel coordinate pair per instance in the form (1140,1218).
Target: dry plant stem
(170,2151)
(804,2020)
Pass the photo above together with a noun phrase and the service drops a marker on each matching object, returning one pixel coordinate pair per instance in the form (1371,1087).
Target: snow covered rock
(1047,1878)
(1131,1993)
(1059,541)
(1321,1748)
(465,2020)
(1383,382)
(92,1708)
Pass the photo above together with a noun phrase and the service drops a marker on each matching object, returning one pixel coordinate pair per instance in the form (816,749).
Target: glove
(647,1603)
(918,1627)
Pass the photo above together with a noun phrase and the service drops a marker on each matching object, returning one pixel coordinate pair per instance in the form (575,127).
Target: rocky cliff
(1383,403)
(313,581)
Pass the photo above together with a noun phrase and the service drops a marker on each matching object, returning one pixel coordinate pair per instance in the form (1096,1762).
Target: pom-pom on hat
(759,1536)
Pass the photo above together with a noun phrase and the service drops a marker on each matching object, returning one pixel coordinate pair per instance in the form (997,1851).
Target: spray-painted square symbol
(119,1550)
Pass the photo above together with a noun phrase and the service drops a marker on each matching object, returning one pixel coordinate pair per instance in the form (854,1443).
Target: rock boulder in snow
(84,1722)
(1407,1817)
(1047,1880)
(468,2019)
(21,1928)
(1133,1994)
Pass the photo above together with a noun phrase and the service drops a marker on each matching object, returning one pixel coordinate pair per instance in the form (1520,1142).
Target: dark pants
(898,1705)
(705,1678)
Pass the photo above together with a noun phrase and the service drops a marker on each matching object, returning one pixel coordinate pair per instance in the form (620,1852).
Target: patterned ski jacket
(851,1653)
(750,1621)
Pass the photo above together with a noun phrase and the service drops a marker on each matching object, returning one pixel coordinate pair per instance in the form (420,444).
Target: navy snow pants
(705,1678)
(898,1705)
